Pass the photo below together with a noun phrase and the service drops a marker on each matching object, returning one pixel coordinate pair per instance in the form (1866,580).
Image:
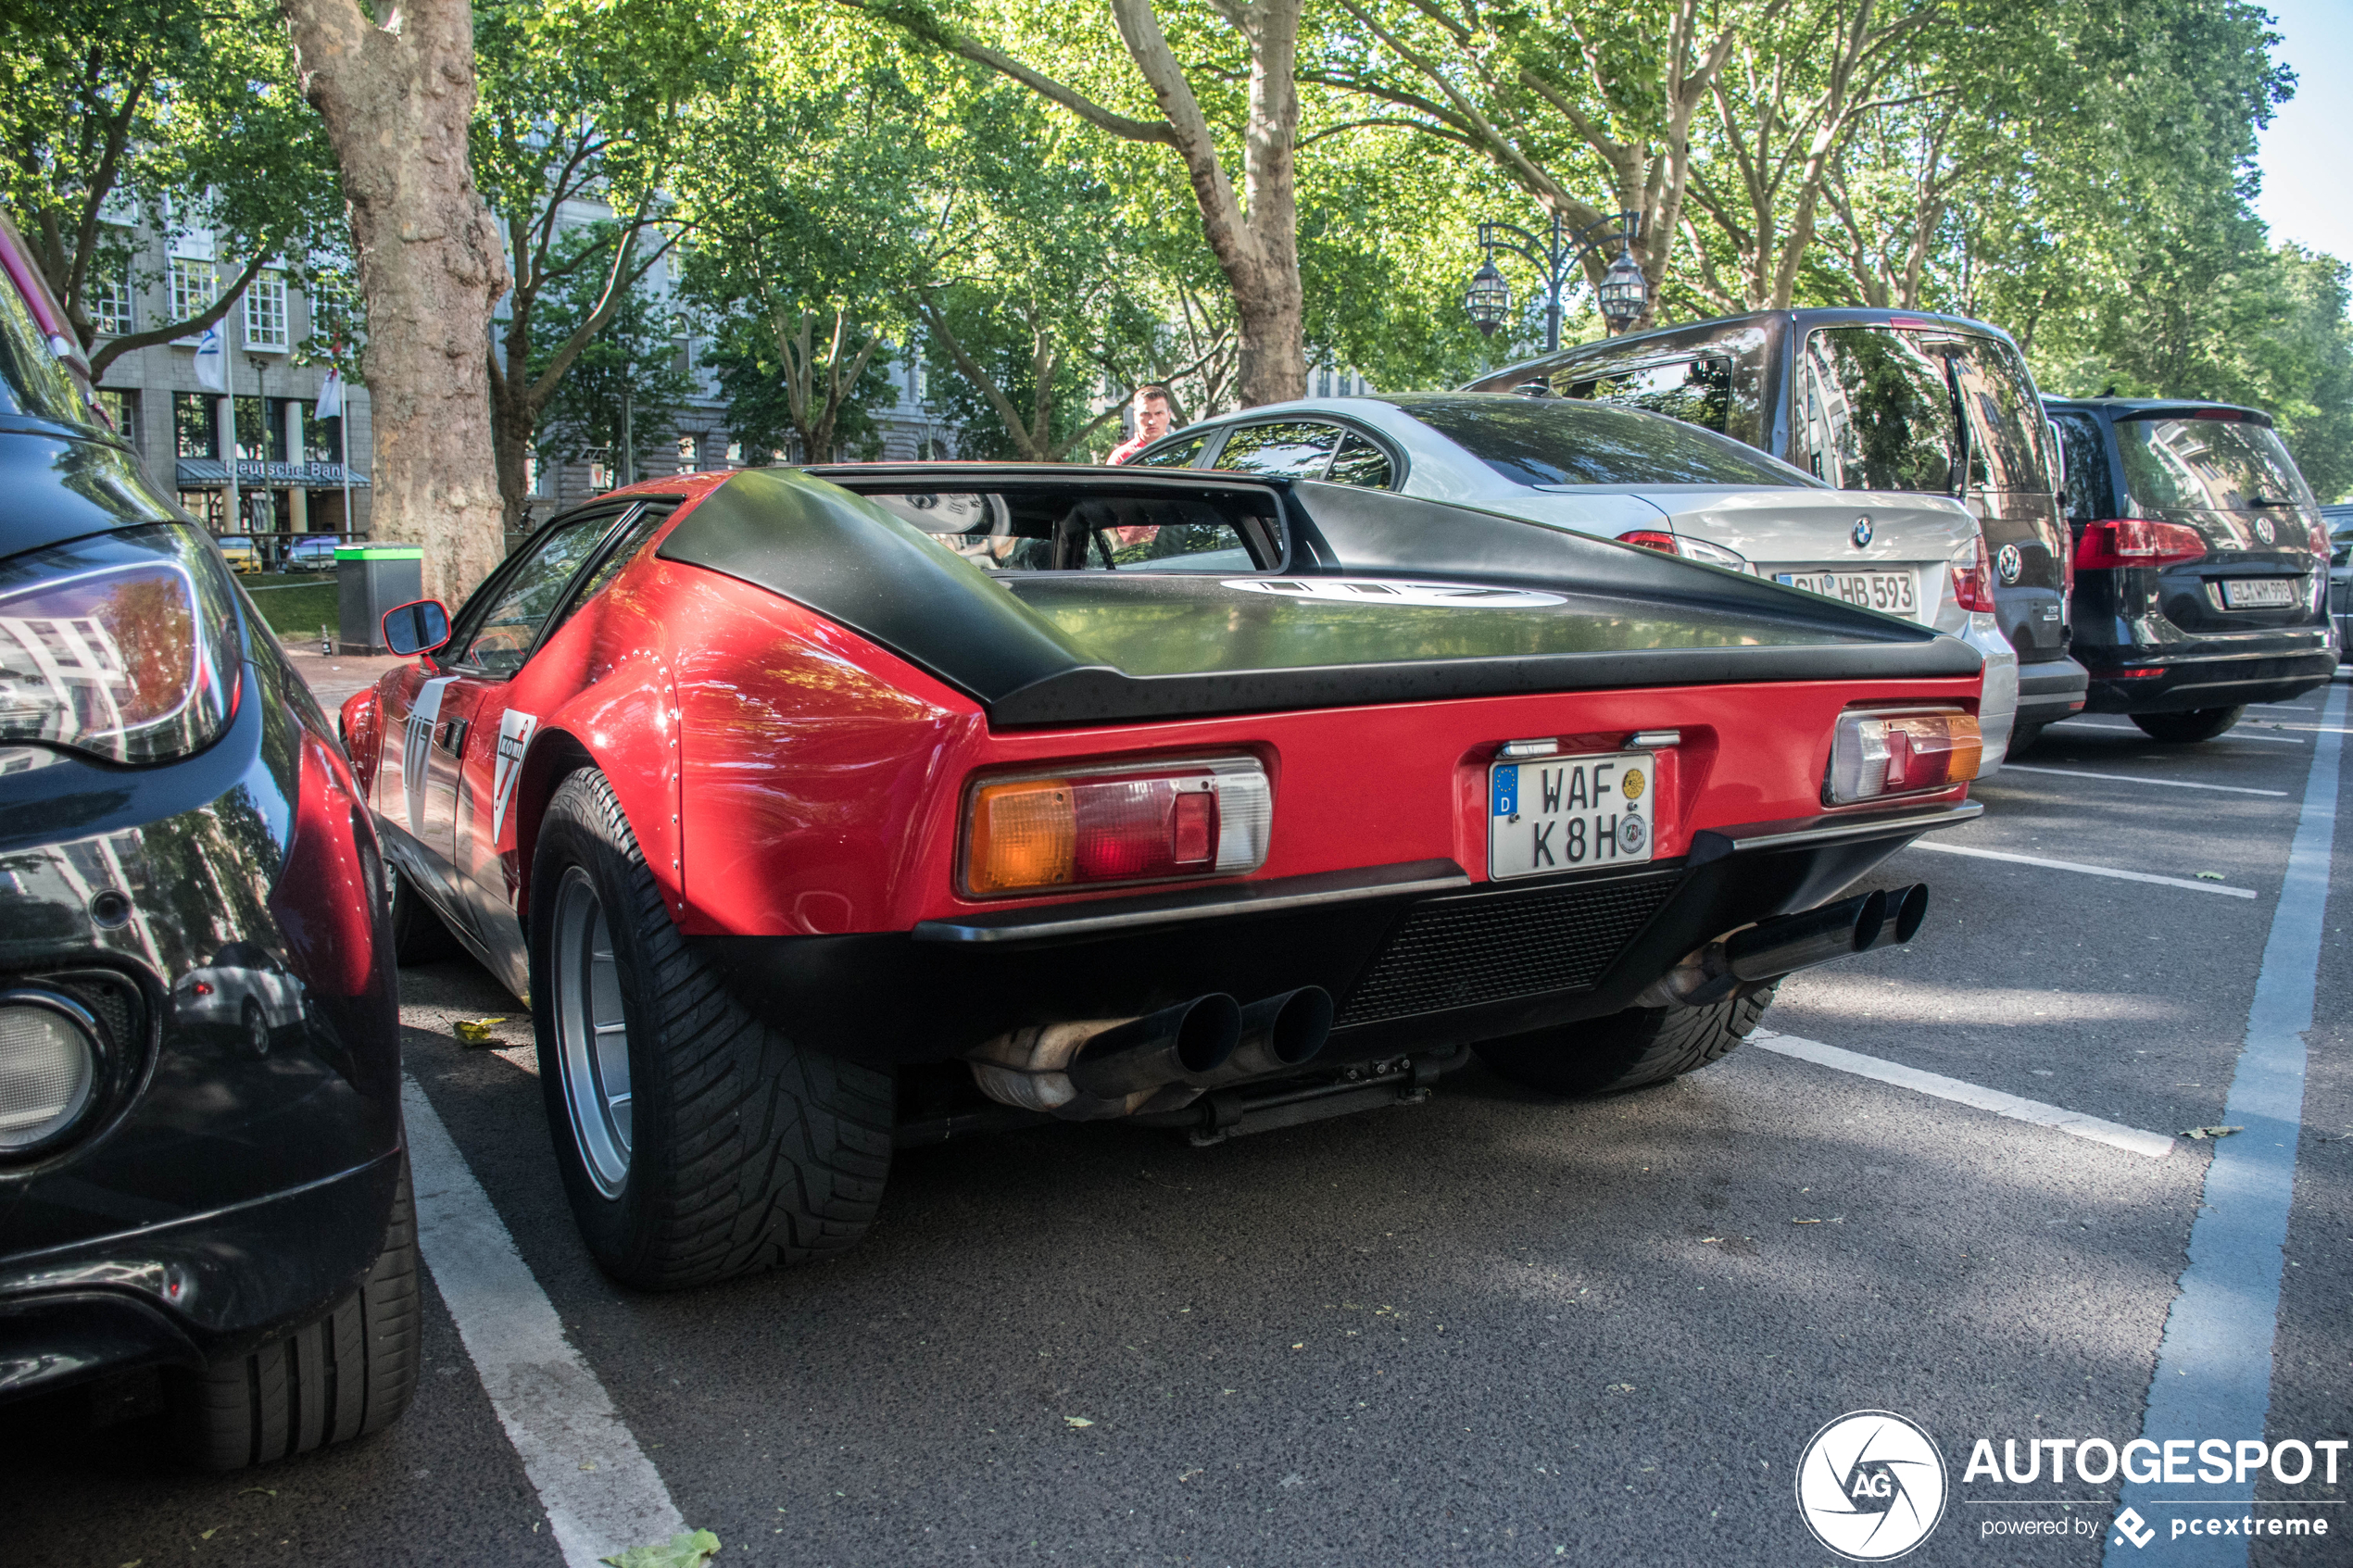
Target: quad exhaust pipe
(1751,959)
(1093,1068)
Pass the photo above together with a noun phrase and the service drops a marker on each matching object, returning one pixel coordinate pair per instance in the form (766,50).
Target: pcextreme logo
(1871,1486)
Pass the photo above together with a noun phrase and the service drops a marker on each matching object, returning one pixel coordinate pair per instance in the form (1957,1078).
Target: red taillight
(1032,834)
(202,988)
(1650,539)
(2067,562)
(2321,540)
(2136,541)
(1974,583)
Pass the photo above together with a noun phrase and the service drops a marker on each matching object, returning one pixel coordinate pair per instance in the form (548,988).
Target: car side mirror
(420,626)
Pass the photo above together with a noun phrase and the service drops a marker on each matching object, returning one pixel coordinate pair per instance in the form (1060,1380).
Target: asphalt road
(1490,1329)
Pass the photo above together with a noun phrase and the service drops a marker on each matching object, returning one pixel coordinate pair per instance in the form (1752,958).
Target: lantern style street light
(1623,294)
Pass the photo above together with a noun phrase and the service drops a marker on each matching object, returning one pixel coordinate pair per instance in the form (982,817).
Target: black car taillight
(122,646)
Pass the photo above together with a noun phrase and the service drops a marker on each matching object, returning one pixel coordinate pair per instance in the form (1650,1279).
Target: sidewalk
(333,677)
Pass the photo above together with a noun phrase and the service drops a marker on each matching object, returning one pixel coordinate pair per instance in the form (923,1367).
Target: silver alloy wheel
(592,1037)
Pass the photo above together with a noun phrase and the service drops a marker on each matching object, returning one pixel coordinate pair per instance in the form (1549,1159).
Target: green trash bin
(369,579)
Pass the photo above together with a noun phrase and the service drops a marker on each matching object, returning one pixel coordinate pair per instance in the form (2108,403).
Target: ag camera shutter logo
(1871,1486)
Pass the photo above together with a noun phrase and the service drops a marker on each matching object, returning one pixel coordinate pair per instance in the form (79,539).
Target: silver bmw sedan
(1642,479)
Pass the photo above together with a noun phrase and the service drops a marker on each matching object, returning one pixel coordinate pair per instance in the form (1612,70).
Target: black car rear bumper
(1417,956)
(2178,682)
(2050,690)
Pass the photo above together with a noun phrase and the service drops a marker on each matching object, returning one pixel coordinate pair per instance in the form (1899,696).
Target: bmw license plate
(1895,593)
(2258,592)
(1570,813)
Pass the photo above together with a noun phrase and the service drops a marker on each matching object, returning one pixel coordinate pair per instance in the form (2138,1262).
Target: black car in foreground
(204,1196)
(1866,399)
(2201,562)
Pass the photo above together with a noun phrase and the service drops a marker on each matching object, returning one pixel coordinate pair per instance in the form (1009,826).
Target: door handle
(452,738)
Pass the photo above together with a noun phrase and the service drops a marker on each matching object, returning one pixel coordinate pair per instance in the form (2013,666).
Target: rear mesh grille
(1467,951)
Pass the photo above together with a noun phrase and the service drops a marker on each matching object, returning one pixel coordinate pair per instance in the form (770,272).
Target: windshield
(2225,465)
(1541,441)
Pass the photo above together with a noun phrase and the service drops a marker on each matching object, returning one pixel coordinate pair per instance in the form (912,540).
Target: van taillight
(2136,541)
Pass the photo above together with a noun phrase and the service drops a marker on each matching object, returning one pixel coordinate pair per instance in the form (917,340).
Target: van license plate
(1570,813)
(1891,592)
(2258,592)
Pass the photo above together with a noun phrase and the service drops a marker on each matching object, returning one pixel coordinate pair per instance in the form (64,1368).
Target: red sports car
(818,814)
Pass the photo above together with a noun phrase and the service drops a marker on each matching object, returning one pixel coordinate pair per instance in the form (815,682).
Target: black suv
(2201,562)
(1872,400)
(2340,526)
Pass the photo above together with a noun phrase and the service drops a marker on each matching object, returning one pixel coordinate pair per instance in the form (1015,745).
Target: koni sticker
(514,738)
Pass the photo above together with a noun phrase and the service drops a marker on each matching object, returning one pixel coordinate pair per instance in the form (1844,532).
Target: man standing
(1152,408)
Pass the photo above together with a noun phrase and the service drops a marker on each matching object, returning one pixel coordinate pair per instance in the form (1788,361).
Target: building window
(108,300)
(600,469)
(735,454)
(193,425)
(320,437)
(685,453)
(266,312)
(535,475)
(195,285)
(122,409)
(253,441)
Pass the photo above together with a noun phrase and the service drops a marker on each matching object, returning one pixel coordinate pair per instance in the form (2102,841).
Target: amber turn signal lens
(1901,752)
(1023,834)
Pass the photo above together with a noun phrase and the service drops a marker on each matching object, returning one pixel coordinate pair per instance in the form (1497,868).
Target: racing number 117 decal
(1574,814)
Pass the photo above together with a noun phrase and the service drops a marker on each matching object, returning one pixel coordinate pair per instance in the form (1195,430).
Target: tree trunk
(396,100)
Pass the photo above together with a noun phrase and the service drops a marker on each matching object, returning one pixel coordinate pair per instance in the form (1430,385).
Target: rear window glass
(2223,464)
(1877,413)
(1094,533)
(1698,392)
(1538,441)
(1361,463)
(2086,467)
(2005,423)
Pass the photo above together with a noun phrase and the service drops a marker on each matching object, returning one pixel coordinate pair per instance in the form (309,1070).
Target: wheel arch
(555,755)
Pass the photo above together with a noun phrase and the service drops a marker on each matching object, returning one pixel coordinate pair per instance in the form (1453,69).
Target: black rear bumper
(1417,956)
(2177,682)
(2050,690)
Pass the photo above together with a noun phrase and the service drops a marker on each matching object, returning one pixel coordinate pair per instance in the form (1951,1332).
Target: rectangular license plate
(1570,813)
(2258,592)
(1895,593)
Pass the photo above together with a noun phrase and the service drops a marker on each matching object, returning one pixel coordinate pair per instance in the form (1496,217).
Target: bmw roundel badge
(1862,531)
(2008,562)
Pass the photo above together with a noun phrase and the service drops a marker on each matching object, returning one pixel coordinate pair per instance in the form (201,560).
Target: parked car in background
(235,1222)
(2340,526)
(309,553)
(1640,478)
(240,553)
(814,824)
(2201,562)
(244,996)
(1875,400)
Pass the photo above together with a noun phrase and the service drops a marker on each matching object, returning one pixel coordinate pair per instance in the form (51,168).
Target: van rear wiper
(2259,499)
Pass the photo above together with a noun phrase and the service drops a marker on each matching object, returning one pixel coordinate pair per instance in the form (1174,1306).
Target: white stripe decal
(2214,1365)
(601,1494)
(2128,778)
(2088,871)
(2153,1146)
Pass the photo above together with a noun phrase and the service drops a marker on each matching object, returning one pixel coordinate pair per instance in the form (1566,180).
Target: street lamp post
(1623,293)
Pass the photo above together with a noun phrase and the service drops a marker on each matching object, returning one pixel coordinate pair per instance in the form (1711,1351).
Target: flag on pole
(330,397)
(212,353)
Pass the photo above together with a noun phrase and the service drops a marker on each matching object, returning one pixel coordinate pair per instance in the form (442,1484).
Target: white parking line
(2152,1146)
(2088,871)
(2135,729)
(601,1494)
(2128,778)
(2214,1365)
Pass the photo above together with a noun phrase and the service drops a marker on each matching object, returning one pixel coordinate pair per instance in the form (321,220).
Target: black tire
(349,1374)
(2023,739)
(2197,724)
(1627,1050)
(418,934)
(741,1151)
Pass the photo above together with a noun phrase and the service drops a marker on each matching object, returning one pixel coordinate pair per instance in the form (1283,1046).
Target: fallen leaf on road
(2209,876)
(2211,1132)
(1077,1420)
(690,1551)
(476,1030)
(1189,1475)
(265,1491)
(1293,1479)
(1836,1219)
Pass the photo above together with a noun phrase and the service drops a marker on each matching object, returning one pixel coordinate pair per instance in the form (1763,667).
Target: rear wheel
(1627,1050)
(418,935)
(695,1142)
(253,1030)
(2198,723)
(349,1374)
